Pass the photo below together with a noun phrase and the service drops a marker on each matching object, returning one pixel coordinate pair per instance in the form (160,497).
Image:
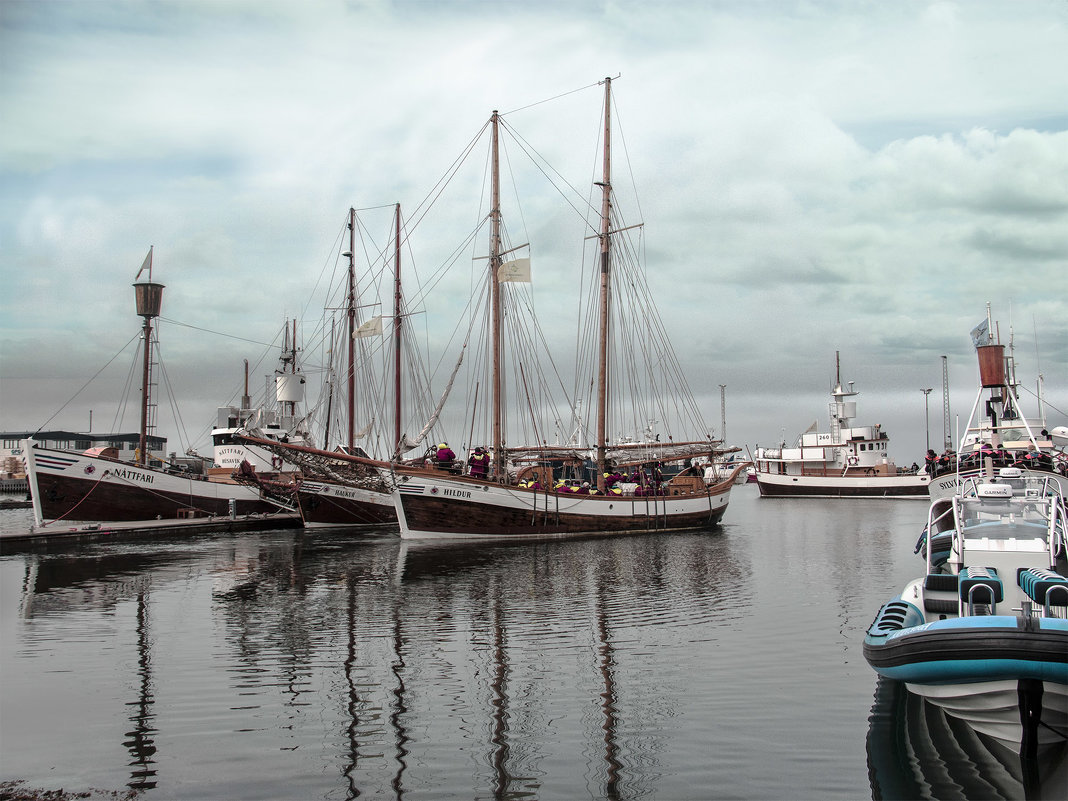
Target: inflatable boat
(984,632)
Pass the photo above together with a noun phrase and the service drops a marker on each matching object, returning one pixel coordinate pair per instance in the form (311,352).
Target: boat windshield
(1014,508)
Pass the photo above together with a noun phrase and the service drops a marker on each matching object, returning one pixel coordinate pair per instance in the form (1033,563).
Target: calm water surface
(718,664)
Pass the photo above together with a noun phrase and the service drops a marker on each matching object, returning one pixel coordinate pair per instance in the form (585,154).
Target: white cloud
(813,175)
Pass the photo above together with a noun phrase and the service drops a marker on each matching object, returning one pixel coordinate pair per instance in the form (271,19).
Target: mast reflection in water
(724,663)
(140,743)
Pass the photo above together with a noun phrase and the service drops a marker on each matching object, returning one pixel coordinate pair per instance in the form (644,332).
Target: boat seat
(1037,583)
(940,594)
(941,544)
(940,606)
(941,582)
(981,585)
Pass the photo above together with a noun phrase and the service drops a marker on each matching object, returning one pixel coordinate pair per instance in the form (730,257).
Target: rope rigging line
(127,391)
(79,503)
(1035,395)
(87,383)
(209,331)
(551,99)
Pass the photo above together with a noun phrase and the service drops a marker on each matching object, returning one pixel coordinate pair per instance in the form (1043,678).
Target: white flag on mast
(517,270)
(146,264)
(372,328)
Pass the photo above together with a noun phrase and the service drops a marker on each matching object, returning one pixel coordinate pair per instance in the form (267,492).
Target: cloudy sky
(815,177)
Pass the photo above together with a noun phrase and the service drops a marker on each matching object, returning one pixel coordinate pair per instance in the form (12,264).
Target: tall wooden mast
(350,314)
(602,344)
(397,335)
(495,300)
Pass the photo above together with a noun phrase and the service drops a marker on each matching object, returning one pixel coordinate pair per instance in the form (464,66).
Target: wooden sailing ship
(616,485)
(333,491)
(521,495)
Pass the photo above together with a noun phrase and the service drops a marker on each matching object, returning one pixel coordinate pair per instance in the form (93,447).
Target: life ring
(853,460)
(276,462)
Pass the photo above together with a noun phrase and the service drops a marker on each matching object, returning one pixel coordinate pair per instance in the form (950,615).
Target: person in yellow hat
(445,455)
(479,463)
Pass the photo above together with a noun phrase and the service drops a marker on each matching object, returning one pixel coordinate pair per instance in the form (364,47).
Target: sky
(815,177)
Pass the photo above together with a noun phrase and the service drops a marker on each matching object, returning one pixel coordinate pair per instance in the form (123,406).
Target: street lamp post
(926,415)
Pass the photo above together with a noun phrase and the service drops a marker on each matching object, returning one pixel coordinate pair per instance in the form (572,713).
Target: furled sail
(441,403)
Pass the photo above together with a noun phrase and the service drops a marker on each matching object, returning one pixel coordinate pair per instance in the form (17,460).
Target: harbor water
(328,665)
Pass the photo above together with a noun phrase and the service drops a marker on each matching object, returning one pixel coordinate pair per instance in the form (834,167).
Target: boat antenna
(947,441)
(722,413)
(1041,379)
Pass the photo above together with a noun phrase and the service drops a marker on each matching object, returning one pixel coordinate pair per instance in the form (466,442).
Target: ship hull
(328,504)
(72,486)
(434,507)
(773,485)
(996,673)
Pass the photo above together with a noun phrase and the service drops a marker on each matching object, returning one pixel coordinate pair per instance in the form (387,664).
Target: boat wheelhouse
(848,461)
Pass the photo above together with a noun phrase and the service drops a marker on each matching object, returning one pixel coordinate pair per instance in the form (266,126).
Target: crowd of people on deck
(642,482)
(1030,459)
(639,481)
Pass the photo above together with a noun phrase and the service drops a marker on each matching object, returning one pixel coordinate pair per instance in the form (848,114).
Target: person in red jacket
(445,455)
(479,463)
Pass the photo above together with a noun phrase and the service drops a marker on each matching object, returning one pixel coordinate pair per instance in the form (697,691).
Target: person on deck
(479,463)
(445,455)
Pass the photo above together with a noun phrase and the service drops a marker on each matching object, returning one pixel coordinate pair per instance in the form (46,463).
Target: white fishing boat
(998,434)
(279,420)
(849,461)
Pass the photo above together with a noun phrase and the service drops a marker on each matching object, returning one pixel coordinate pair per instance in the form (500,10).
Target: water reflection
(62,583)
(391,668)
(915,750)
(399,711)
(140,743)
(53,585)
(608,698)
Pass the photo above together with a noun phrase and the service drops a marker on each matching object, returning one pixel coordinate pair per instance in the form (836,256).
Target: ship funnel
(149,298)
(991,365)
(289,387)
